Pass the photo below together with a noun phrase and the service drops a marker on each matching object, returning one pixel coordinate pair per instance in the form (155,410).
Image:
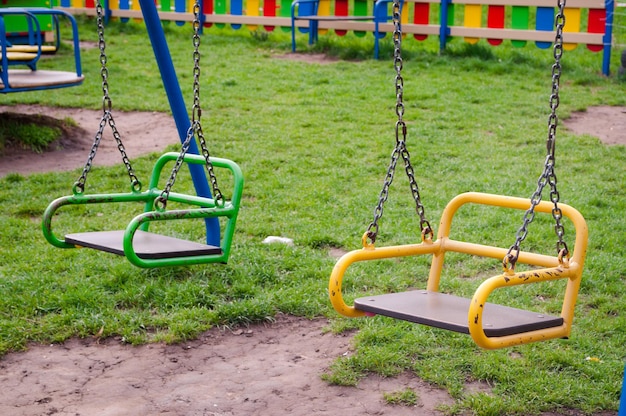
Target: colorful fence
(588,22)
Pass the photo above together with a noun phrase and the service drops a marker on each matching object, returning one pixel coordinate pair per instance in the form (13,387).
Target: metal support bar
(608,34)
(622,406)
(444,30)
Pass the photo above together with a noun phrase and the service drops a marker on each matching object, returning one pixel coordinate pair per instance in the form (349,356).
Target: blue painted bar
(444,30)
(180,6)
(606,70)
(124,5)
(380,16)
(236,9)
(107,11)
(545,22)
(622,406)
(177,104)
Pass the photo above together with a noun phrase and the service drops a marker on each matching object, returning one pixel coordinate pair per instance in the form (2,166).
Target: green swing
(141,247)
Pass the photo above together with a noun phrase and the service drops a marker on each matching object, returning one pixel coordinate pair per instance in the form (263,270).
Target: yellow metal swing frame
(473,321)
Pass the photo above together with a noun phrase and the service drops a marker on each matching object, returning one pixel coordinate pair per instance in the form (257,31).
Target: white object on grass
(282,240)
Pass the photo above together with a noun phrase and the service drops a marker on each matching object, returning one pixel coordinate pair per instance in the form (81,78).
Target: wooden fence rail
(521,22)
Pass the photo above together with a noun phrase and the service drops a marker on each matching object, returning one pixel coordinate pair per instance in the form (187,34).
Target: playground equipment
(522,22)
(143,248)
(622,406)
(16,80)
(490,325)
(309,10)
(417,20)
(20,33)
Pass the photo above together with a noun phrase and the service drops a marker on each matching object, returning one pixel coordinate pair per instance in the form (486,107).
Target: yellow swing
(490,325)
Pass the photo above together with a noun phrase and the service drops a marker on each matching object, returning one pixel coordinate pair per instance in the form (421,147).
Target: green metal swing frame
(191,253)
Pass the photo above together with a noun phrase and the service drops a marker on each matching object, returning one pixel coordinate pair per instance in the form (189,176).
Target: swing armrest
(369,253)
(83,200)
(571,271)
(229,210)
(56,13)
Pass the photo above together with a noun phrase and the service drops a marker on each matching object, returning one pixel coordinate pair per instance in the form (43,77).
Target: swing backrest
(447,244)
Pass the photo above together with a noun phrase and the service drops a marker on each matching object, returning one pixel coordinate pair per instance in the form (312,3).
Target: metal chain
(160,203)
(400,148)
(195,129)
(372,229)
(217,194)
(548,176)
(107,117)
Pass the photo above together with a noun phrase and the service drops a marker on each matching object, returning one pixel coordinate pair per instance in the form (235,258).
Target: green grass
(37,134)
(314,144)
(406,397)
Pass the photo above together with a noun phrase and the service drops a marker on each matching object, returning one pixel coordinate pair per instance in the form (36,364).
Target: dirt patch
(271,369)
(604,122)
(309,58)
(137,130)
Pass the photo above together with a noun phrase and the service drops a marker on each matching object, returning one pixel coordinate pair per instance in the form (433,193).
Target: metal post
(622,406)
(607,39)
(177,104)
(444,30)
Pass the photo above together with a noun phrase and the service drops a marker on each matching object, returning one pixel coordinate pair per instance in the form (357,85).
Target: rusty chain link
(548,176)
(400,147)
(195,129)
(107,117)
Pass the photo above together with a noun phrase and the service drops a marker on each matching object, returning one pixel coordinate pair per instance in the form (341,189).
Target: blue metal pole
(607,39)
(177,104)
(444,30)
(107,11)
(622,406)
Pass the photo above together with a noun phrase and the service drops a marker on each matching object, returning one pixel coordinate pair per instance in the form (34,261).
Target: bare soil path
(271,369)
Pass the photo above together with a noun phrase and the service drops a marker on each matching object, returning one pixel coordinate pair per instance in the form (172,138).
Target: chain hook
(368,241)
(106,103)
(427,232)
(400,132)
(508,263)
(196,113)
(564,257)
